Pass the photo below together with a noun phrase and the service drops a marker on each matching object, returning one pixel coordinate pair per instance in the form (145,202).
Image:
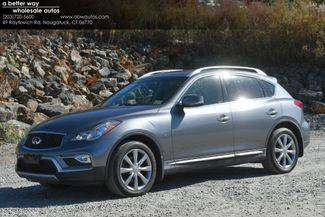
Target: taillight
(299,104)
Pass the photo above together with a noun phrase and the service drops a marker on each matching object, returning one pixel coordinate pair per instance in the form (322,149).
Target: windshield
(147,91)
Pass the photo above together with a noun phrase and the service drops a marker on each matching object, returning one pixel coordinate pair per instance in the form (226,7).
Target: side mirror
(192,101)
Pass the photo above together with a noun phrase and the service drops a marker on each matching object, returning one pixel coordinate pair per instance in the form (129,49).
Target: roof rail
(160,71)
(254,70)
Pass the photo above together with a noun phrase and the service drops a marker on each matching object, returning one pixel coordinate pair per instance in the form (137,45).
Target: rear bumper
(305,131)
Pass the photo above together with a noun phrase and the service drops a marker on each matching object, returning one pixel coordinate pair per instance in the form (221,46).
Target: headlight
(97,131)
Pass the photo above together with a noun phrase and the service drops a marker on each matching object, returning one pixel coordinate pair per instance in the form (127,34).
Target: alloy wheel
(136,169)
(285,151)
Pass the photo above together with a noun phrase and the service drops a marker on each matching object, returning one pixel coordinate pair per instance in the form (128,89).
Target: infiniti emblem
(36,140)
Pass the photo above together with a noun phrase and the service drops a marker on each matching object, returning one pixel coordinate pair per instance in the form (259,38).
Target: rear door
(254,111)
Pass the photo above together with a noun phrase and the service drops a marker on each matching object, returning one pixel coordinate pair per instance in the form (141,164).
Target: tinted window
(208,87)
(147,91)
(268,88)
(239,87)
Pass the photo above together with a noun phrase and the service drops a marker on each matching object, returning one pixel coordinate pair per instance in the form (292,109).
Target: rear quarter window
(268,88)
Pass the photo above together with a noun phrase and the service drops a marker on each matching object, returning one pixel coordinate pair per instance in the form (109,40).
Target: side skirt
(229,159)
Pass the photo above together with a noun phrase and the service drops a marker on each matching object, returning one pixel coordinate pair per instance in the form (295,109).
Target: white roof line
(160,71)
(258,71)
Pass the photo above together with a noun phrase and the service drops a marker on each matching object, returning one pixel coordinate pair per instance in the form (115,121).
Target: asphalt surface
(245,190)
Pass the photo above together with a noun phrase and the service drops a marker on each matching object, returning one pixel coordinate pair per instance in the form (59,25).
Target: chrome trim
(203,159)
(37,176)
(246,153)
(219,157)
(36,140)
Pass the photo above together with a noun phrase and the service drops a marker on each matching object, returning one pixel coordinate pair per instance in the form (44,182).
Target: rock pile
(43,76)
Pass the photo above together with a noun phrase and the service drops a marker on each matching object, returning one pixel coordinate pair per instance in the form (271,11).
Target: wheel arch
(147,140)
(294,127)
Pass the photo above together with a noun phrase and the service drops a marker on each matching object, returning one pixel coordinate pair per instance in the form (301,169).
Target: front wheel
(282,152)
(132,171)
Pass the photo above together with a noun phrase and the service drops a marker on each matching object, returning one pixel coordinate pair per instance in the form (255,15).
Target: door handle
(272,111)
(223,118)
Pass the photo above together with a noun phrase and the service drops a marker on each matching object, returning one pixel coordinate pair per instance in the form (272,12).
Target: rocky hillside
(43,76)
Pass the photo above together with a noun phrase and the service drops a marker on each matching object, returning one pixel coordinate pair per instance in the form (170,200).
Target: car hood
(85,120)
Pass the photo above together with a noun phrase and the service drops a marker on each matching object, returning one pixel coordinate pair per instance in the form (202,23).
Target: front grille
(47,140)
(44,167)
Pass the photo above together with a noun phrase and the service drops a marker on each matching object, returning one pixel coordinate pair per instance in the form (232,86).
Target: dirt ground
(245,190)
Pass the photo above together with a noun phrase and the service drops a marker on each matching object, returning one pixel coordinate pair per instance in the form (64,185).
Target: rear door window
(243,87)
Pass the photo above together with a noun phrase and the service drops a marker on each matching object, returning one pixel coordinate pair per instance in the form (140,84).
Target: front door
(204,131)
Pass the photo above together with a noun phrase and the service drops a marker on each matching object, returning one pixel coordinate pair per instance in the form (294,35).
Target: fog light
(84,158)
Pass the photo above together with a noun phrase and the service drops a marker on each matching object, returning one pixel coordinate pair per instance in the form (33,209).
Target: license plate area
(31,158)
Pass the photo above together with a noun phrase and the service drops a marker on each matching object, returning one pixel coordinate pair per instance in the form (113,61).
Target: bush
(277,32)
(11,132)
(269,32)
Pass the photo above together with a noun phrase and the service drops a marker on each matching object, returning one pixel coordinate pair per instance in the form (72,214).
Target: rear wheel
(282,151)
(132,171)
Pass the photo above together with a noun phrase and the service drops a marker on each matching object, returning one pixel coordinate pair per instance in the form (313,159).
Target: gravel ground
(244,190)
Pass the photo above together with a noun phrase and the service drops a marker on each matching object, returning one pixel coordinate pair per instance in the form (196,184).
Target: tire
(124,184)
(274,163)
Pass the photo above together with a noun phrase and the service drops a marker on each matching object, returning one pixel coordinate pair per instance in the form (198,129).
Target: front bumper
(59,173)
(60,164)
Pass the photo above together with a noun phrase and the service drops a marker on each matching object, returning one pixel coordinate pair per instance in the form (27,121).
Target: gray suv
(168,121)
